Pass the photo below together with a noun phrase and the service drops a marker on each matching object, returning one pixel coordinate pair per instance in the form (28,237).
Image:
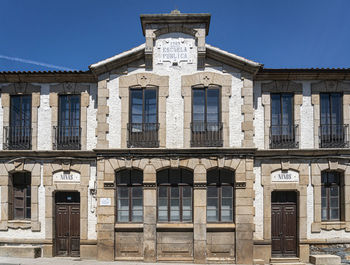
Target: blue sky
(74,34)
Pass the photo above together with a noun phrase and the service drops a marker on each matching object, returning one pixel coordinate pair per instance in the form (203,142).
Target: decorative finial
(175,12)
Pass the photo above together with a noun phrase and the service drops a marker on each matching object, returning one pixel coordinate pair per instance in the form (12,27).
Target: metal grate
(206,134)
(333,136)
(17,138)
(67,138)
(143,135)
(284,136)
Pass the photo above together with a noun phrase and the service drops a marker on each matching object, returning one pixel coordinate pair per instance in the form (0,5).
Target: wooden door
(67,229)
(284,228)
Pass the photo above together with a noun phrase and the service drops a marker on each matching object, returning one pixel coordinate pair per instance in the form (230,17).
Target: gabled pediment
(138,53)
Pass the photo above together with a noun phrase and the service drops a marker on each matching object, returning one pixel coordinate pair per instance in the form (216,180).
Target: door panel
(284,228)
(67,229)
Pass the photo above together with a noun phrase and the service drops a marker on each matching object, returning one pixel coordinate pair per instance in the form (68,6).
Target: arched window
(331,193)
(129,195)
(20,196)
(175,195)
(220,195)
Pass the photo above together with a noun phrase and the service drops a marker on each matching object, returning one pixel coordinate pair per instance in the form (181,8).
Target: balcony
(67,138)
(144,135)
(17,138)
(206,134)
(333,136)
(284,136)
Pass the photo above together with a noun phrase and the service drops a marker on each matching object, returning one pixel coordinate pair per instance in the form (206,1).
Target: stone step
(20,251)
(258,261)
(284,260)
(325,259)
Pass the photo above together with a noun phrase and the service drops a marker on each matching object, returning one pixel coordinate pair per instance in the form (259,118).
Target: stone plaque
(285,176)
(174,51)
(105,201)
(66,176)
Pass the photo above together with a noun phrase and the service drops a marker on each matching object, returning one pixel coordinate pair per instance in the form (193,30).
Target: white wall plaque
(285,176)
(174,51)
(66,176)
(105,201)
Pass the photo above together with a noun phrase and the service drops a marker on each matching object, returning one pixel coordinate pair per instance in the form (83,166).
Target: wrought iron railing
(17,138)
(284,136)
(67,137)
(333,136)
(143,135)
(206,134)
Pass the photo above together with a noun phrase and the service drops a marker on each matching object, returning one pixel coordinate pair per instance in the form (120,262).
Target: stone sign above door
(66,176)
(175,51)
(285,176)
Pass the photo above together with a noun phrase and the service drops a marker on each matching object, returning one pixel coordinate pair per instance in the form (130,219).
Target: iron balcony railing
(67,138)
(206,134)
(143,135)
(17,138)
(284,136)
(333,136)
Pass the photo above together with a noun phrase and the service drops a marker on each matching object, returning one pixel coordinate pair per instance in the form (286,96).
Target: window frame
(281,94)
(330,107)
(206,88)
(26,185)
(180,186)
(328,185)
(130,187)
(59,120)
(219,186)
(143,102)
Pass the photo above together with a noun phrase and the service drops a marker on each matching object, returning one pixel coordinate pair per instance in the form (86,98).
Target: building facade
(175,151)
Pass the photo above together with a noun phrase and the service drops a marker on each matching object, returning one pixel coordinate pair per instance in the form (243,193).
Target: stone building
(175,150)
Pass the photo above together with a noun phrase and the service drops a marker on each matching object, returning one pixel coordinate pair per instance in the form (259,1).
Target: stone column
(149,214)
(244,213)
(105,217)
(247,111)
(200,214)
(102,112)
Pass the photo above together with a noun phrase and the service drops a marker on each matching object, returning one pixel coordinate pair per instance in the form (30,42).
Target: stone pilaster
(102,112)
(105,217)
(247,111)
(149,214)
(244,216)
(199,214)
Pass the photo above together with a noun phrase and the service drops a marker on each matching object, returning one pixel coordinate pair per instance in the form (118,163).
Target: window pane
(212,210)
(174,204)
(150,106)
(137,216)
(323,192)
(336,111)
(162,204)
(325,109)
(137,192)
(334,202)
(212,192)
(136,106)
(334,191)
(213,105)
(334,214)
(287,109)
(28,213)
(275,109)
(123,204)
(186,215)
(198,105)
(324,214)
(227,192)
(123,216)
(123,192)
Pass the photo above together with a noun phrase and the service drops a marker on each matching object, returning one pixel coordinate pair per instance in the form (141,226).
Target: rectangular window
(206,120)
(129,196)
(68,131)
(220,195)
(143,126)
(330,196)
(21,192)
(19,134)
(174,195)
(282,131)
(333,133)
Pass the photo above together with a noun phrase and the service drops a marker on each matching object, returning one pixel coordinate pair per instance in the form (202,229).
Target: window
(206,120)
(68,130)
(129,196)
(331,196)
(143,127)
(20,199)
(220,195)
(282,131)
(175,195)
(19,134)
(332,131)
